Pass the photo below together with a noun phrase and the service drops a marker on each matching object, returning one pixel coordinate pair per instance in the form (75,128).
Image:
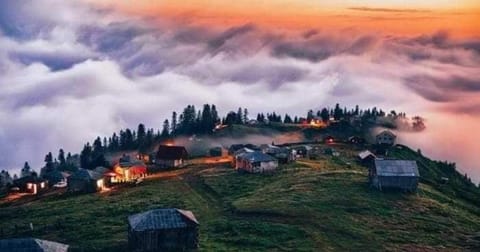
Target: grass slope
(321,205)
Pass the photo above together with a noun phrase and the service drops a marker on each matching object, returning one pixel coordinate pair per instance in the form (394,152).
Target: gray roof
(167,218)
(257,156)
(395,168)
(87,174)
(386,132)
(31,245)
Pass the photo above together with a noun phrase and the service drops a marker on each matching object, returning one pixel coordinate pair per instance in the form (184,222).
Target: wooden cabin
(256,162)
(86,181)
(171,156)
(356,140)
(128,171)
(366,158)
(394,174)
(163,230)
(32,244)
(31,184)
(386,137)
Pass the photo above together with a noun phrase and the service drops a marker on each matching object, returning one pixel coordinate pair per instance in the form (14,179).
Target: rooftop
(167,218)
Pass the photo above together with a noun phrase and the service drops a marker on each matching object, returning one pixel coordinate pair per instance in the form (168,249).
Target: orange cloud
(461,20)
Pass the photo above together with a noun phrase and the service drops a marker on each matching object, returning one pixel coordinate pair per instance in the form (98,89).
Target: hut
(303,151)
(31,184)
(170,156)
(31,245)
(329,139)
(386,137)
(168,229)
(356,140)
(86,181)
(366,158)
(396,174)
(256,162)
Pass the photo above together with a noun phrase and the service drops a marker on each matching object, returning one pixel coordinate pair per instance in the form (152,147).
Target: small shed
(86,181)
(386,137)
(356,140)
(396,174)
(256,162)
(31,184)
(366,158)
(31,245)
(167,229)
(170,156)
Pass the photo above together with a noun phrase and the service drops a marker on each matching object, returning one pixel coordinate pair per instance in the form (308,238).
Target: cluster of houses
(125,169)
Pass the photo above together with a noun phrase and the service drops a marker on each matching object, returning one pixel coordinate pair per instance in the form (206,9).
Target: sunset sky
(74,70)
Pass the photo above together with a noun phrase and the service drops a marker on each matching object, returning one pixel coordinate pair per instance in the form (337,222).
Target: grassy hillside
(321,205)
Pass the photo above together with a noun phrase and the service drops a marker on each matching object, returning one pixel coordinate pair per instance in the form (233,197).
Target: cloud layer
(66,78)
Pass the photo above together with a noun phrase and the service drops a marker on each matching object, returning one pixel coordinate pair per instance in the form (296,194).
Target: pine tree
(26,170)
(173,126)
(61,157)
(166,129)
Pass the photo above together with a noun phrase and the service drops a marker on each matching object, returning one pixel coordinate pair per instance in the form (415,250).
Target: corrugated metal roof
(396,168)
(31,244)
(257,156)
(167,218)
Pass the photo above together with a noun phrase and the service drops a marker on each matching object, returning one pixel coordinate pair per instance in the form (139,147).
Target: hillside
(318,205)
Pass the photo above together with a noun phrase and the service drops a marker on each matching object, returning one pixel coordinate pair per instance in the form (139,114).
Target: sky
(74,70)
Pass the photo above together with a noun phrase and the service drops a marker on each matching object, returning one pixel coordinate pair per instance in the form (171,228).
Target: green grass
(319,205)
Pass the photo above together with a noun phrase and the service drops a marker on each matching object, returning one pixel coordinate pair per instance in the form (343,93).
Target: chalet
(242,151)
(163,230)
(32,244)
(356,140)
(396,174)
(31,184)
(127,171)
(256,162)
(85,181)
(56,176)
(386,137)
(235,147)
(170,156)
(284,155)
(366,158)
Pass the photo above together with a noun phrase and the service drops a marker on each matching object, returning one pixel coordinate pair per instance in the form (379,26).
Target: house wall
(179,239)
(169,163)
(385,139)
(408,183)
(82,185)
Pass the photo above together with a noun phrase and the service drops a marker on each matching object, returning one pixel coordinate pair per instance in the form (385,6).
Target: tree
(309,115)
(231,118)
(287,119)
(337,112)
(325,115)
(26,170)
(239,116)
(86,156)
(245,115)
(166,129)
(141,134)
(173,126)
(61,157)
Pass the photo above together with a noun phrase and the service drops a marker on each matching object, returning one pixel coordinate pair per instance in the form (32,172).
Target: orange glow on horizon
(460,18)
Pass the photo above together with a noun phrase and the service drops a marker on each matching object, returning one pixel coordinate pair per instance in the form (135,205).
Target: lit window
(42,185)
(29,186)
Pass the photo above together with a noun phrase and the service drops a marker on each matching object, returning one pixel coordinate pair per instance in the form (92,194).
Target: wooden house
(31,184)
(86,181)
(386,137)
(303,151)
(163,230)
(256,162)
(171,156)
(127,171)
(31,245)
(395,174)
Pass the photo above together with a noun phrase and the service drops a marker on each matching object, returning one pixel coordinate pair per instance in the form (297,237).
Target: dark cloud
(439,89)
(220,40)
